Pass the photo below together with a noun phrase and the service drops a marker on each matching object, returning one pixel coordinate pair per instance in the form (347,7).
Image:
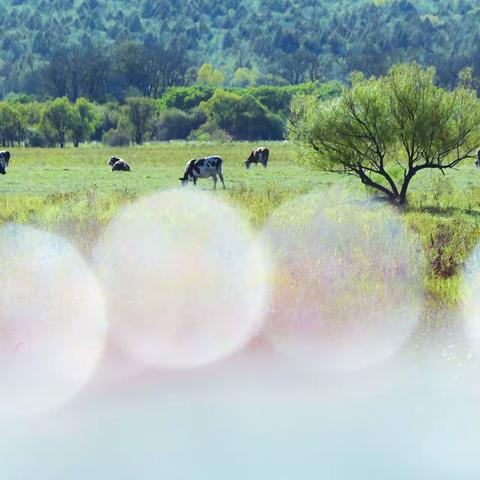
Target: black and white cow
(477,161)
(4,161)
(203,168)
(118,165)
(258,155)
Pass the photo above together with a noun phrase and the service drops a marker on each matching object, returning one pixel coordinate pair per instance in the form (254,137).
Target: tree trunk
(402,197)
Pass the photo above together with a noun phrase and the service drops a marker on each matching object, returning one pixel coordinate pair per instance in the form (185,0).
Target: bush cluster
(195,113)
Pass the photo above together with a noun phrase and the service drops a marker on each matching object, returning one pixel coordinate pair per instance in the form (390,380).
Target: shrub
(185,98)
(278,98)
(36,138)
(173,124)
(116,138)
(209,132)
(244,117)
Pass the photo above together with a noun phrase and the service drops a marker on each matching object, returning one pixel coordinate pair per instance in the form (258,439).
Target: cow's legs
(220,174)
(195,181)
(214,182)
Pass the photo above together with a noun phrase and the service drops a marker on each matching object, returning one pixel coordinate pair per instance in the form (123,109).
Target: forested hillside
(249,41)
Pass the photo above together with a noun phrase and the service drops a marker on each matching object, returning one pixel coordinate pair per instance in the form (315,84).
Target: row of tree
(98,72)
(199,112)
(46,124)
(132,69)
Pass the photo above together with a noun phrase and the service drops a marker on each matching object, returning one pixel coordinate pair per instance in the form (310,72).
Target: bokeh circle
(348,281)
(186,280)
(52,321)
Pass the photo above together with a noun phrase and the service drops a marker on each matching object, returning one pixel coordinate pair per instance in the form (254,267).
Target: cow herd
(202,167)
(212,167)
(195,168)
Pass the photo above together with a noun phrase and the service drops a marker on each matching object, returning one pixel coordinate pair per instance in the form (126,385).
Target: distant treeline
(112,49)
(196,113)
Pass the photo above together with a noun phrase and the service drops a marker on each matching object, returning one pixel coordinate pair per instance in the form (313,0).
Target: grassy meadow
(55,187)
(73,192)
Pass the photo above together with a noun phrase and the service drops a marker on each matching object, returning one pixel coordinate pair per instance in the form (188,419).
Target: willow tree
(386,130)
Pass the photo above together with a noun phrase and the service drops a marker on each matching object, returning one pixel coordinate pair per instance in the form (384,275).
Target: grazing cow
(258,155)
(477,161)
(4,161)
(118,165)
(203,168)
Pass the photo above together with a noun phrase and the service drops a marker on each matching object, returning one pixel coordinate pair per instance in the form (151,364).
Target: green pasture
(73,192)
(43,172)
(47,186)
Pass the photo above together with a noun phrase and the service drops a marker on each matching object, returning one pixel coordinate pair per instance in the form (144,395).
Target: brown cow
(258,155)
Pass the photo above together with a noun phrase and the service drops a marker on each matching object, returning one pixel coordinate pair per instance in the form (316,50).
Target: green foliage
(176,115)
(58,117)
(148,68)
(174,124)
(210,132)
(140,111)
(386,130)
(243,117)
(10,124)
(36,137)
(116,138)
(243,77)
(285,41)
(278,99)
(185,98)
(208,75)
(84,121)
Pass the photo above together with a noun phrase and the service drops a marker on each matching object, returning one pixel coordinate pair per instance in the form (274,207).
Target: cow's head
(188,175)
(248,162)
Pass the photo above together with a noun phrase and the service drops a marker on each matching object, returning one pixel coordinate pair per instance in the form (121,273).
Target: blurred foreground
(189,346)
